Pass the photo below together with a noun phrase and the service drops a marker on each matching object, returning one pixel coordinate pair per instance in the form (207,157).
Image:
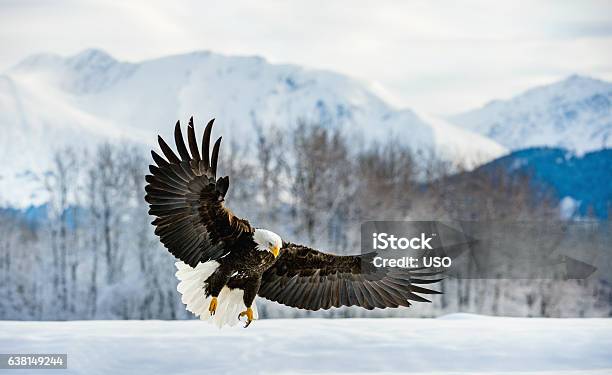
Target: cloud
(440,57)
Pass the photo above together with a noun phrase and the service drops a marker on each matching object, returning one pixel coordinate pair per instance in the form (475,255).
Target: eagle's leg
(252,287)
(212,308)
(249,314)
(214,284)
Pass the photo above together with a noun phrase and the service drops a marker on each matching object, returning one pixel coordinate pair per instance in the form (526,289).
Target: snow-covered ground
(457,344)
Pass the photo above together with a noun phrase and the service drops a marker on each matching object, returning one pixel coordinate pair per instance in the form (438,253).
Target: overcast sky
(436,56)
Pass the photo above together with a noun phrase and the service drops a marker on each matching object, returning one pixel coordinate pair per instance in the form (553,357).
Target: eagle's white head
(268,241)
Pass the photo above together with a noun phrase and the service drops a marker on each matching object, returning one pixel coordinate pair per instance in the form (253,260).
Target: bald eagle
(224,262)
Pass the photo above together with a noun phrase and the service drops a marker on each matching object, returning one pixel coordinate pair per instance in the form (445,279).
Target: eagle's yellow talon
(249,315)
(213,306)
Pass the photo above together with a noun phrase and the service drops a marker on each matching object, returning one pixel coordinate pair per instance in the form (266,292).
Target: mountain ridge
(48,101)
(574,113)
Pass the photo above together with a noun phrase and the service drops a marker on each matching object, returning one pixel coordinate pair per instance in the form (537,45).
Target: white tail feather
(192,287)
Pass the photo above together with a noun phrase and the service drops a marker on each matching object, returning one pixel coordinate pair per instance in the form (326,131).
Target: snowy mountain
(575,113)
(48,101)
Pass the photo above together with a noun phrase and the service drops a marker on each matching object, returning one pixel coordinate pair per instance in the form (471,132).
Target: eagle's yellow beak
(275,251)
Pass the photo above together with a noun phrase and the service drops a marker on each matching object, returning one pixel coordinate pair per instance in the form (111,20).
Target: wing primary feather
(215,157)
(395,295)
(334,292)
(418,289)
(206,143)
(179,171)
(416,297)
(344,296)
(161,175)
(273,288)
(157,179)
(422,281)
(298,298)
(351,293)
(170,155)
(308,293)
(315,302)
(328,297)
(161,162)
(180,143)
(289,288)
(394,289)
(373,294)
(191,138)
(163,191)
(358,294)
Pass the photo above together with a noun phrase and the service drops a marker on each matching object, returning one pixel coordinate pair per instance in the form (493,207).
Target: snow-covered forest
(90,252)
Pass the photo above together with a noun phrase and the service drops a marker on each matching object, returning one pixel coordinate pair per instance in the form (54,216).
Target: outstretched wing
(183,193)
(309,279)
